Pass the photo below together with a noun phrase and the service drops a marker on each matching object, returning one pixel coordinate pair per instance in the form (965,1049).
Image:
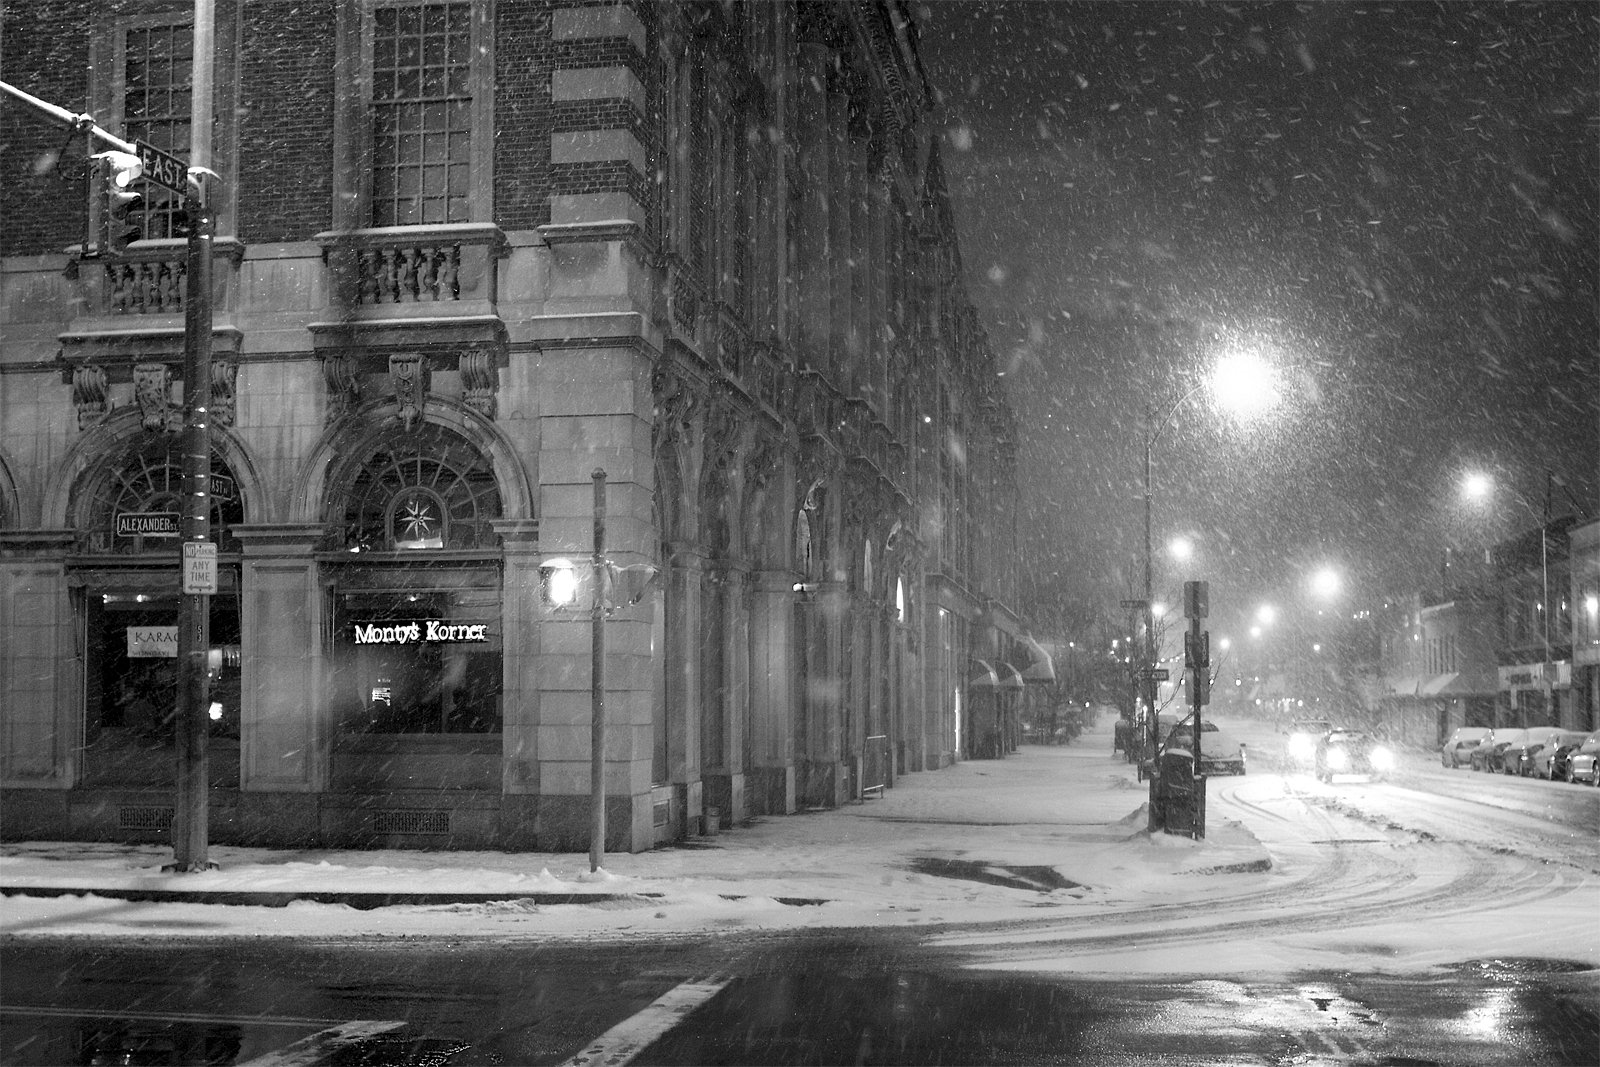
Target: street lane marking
(321,1046)
(620,1044)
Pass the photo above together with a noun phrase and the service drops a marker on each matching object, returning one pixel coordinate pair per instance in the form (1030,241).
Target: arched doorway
(127,511)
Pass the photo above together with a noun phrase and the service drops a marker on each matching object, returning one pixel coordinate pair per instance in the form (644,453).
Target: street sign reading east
(163,168)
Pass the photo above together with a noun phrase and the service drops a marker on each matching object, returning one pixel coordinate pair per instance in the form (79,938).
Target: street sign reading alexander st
(163,168)
(1159,674)
(147,524)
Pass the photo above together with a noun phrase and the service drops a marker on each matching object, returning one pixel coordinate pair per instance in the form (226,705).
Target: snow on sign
(199,568)
(163,168)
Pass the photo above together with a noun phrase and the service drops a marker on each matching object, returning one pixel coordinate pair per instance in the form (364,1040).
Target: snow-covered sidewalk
(979,841)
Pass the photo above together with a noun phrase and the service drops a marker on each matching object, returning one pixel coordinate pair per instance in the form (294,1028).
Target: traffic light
(120,207)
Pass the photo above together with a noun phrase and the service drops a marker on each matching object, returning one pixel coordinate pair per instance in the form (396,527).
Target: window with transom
(155,61)
(429,489)
(414,142)
(421,113)
(134,505)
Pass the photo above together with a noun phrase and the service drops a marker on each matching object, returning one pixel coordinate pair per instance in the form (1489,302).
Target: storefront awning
(1009,677)
(1454,685)
(1041,670)
(982,676)
(1407,685)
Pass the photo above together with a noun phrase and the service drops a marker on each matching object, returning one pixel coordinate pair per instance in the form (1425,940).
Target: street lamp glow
(1266,614)
(1244,384)
(1325,583)
(1181,548)
(1476,485)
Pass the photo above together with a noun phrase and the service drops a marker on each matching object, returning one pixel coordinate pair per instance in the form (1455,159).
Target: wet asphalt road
(820,999)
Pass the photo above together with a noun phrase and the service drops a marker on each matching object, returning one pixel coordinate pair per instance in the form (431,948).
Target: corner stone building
(468,254)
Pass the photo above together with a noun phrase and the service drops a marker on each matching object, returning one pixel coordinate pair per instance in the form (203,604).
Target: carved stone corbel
(224,375)
(89,394)
(344,387)
(408,371)
(480,381)
(152,388)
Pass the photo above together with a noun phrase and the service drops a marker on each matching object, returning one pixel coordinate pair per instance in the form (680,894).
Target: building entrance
(131,682)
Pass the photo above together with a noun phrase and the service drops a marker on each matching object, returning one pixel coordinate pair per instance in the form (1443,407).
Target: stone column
(40,668)
(685,567)
(814,233)
(725,777)
(824,782)
(772,667)
(521,641)
(841,238)
(286,714)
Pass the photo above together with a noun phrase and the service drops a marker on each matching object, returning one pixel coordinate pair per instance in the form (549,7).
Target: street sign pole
(1196,598)
(597,682)
(191,810)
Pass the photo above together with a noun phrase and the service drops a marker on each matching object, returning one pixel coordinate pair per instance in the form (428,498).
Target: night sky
(1396,203)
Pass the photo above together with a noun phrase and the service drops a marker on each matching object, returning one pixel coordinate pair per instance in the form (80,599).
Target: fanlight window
(427,490)
(136,505)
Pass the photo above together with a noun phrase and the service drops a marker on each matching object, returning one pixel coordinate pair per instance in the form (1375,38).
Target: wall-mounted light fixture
(558,583)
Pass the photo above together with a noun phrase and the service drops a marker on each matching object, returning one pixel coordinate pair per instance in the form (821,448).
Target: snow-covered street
(1041,860)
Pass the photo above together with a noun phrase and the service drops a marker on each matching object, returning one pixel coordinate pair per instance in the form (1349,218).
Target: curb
(359,901)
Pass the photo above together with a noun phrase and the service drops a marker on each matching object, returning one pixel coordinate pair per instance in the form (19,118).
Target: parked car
(1458,749)
(1352,753)
(1220,752)
(1584,764)
(1300,747)
(1486,757)
(1534,754)
(1561,758)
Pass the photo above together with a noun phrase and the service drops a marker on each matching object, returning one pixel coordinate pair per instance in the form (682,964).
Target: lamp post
(1478,486)
(1245,384)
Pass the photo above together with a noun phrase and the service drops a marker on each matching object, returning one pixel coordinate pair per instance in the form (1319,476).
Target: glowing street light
(1243,384)
(1326,583)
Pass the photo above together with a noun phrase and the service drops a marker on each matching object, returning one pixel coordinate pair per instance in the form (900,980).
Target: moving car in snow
(1486,757)
(1458,749)
(1534,754)
(1352,754)
(1584,764)
(1220,752)
(1300,747)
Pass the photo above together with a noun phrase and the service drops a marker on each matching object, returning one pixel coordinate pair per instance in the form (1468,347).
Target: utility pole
(191,812)
(597,671)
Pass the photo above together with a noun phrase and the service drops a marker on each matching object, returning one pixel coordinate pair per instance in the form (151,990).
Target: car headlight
(1382,758)
(1338,759)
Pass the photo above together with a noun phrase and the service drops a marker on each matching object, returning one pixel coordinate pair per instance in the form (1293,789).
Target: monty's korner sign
(410,633)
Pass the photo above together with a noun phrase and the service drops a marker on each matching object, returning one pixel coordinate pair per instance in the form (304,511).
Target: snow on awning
(983,676)
(1404,686)
(1451,685)
(1009,678)
(1042,669)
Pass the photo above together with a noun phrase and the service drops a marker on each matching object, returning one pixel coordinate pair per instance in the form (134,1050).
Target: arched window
(134,504)
(428,489)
